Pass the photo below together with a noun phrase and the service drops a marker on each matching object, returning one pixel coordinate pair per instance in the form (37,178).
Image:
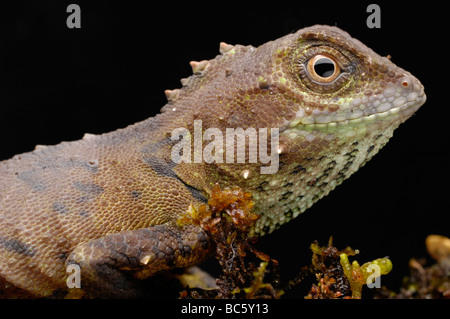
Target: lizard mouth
(398,110)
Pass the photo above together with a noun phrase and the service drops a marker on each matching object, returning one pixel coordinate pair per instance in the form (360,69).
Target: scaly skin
(110,202)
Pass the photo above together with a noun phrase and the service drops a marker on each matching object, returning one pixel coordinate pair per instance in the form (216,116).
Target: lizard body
(110,203)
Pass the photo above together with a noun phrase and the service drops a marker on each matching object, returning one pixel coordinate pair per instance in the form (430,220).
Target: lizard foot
(111,266)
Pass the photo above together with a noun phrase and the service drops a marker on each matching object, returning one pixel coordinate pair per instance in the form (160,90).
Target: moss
(360,275)
(228,218)
(426,281)
(248,273)
(337,277)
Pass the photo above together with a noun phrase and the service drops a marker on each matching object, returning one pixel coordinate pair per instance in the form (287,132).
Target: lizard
(109,203)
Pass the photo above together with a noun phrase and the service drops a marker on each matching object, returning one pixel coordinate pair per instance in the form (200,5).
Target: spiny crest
(172,95)
(224,47)
(198,68)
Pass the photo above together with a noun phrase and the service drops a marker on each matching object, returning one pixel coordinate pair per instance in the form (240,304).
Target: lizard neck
(302,176)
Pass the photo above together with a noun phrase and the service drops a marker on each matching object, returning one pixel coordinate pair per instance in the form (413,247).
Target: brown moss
(228,217)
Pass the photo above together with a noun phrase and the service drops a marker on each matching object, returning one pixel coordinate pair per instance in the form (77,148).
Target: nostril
(406,83)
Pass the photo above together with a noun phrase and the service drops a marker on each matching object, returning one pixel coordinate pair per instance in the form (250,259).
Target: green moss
(360,275)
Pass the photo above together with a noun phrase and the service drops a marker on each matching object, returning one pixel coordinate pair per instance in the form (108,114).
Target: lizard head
(342,87)
(333,101)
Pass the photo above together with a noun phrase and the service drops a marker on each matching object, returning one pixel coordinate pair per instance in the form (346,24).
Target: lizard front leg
(111,266)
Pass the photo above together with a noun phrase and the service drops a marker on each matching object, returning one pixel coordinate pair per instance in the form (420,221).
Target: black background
(59,83)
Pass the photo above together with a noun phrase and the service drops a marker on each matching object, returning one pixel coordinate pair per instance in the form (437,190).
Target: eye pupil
(324,67)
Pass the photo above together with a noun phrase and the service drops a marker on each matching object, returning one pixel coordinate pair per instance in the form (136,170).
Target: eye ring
(325,65)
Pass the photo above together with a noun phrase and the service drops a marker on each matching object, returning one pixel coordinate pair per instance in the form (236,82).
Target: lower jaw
(359,125)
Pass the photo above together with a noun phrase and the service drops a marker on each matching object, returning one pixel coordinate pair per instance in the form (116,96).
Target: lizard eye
(322,68)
